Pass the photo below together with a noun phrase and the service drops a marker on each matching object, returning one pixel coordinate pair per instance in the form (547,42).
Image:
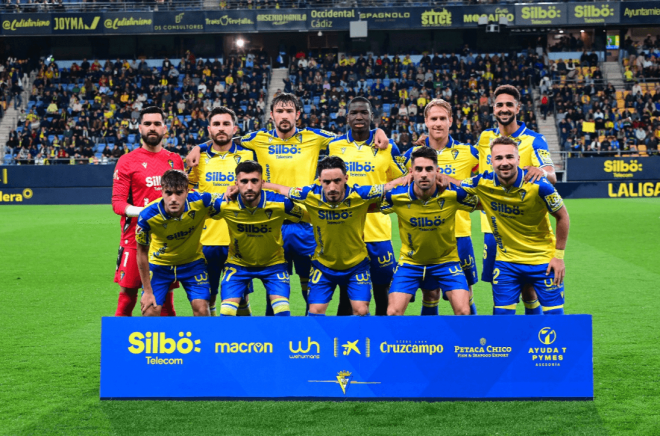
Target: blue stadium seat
(51,138)
(387,108)
(386,82)
(316,100)
(307,109)
(333,116)
(131,138)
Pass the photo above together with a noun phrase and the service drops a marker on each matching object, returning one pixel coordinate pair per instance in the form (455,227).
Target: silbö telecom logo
(158,343)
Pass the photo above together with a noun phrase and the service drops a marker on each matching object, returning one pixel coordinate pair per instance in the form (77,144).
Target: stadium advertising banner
(593,13)
(137,22)
(76,24)
(645,189)
(173,22)
(230,21)
(331,19)
(26,24)
(612,168)
(471,15)
(388,18)
(281,20)
(349,358)
(640,12)
(14,196)
(542,14)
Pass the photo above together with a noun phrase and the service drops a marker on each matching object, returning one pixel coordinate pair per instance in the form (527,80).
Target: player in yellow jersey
(168,235)
(458,161)
(528,254)
(429,258)
(534,158)
(215,172)
(368,165)
(338,212)
(289,156)
(255,252)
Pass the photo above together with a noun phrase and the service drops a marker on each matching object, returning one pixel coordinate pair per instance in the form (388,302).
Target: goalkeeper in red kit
(136,183)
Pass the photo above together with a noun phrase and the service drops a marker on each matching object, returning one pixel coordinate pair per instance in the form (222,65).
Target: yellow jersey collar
(261,204)
(213,153)
(273,133)
(349,191)
(161,209)
(369,142)
(450,143)
(413,197)
(519,179)
(517,133)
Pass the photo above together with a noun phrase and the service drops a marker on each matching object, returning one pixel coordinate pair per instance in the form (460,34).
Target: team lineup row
(264,234)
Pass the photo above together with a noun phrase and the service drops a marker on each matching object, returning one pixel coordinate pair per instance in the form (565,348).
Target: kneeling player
(338,213)
(168,235)
(256,249)
(429,255)
(517,211)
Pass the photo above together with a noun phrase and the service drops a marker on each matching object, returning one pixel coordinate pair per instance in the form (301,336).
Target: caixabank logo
(162,350)
(549,353)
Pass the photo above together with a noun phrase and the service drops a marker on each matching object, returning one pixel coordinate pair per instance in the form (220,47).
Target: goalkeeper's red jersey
(136,182)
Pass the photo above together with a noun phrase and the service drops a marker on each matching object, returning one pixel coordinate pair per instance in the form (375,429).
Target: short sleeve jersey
(458,161)
(339,228)
(256,232)
(368,165)
(532,149)
(175,241)
(518,216)
(426,227)
(214,174)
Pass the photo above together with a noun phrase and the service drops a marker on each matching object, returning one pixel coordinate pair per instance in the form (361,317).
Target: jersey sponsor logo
(202,278)
(254,228)
(219,176)
(343,150)
(427,221)
(358,167)
(448,170)
(144,164)
(383,260)
(505,209)
(284,151)
(182,234)
(331,215)
(159,343)
(153,181)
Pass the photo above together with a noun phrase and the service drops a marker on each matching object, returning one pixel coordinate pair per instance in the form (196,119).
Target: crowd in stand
(400,88)
(89,112)
(644,60)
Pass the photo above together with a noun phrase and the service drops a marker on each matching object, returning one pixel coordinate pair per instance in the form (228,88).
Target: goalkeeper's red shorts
(127,273)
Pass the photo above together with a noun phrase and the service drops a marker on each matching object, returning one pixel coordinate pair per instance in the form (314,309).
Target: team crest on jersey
(374,150)
(237,158)
(300,137)
(522,195)
(165,225)
(121,275)
(144,164)
(441,203)
(171,163)
(235,214)
(269,213)
(343,150)
(348,202)
(454,153)
(191,214)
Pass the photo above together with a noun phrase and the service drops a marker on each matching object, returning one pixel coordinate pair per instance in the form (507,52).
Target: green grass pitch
(57,264)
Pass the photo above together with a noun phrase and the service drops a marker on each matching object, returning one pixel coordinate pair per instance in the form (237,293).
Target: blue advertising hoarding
(637,189)
(349,358)
(612,168)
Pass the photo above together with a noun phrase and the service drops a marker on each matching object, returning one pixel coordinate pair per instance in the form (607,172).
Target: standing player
(369,165)
(289,156)
(168,236)
(255,228)
(215,172)
(136,183)
(429,255)
(458,161)
(535,159)
(527,252)
(338,213)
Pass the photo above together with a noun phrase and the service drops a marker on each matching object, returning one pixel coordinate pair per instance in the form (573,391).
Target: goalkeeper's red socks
(125,304)
(168,305)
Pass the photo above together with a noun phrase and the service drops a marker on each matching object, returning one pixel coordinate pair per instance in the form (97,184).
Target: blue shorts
(466,254)
(193,276)
(490,251)
(299,246)
(509,279)
(447,276)
(324,280)
(236,279)
(216,256)
(382,261)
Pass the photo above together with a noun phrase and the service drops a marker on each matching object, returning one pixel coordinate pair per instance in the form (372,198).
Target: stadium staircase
(548,128)
(10,119)
(612,74)
(276,83)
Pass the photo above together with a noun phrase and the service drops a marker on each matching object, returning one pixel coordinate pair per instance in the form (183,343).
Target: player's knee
(394,311)
(361,310)
(462,310)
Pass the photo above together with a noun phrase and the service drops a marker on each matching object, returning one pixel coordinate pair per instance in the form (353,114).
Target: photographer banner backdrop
(349,358)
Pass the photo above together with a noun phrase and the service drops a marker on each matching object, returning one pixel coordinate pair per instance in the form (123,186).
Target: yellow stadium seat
(619,95)
(620,104)
(642,150)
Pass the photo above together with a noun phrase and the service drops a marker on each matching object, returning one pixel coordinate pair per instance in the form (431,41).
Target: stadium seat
(131,138)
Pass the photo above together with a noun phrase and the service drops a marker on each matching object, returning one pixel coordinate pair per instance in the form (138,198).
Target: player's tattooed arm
(557,263)
(403,180)
(148,300)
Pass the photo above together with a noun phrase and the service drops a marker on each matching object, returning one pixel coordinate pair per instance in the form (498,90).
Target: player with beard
(215,172)
(136,183)
(289,157)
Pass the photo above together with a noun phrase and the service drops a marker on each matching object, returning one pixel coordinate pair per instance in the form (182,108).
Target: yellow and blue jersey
(458,161)
(291,161)
(532,149)
(339,228)
(175,241)
(427,227)
(215,172)
(256,232)
(368,165)
(518,216)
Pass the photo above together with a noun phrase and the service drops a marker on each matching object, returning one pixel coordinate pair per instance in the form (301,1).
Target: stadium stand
(86,112)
